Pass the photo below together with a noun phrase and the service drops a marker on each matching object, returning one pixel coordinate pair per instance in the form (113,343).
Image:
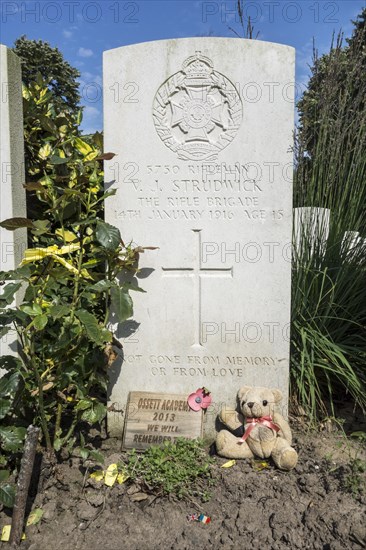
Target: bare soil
(311,507)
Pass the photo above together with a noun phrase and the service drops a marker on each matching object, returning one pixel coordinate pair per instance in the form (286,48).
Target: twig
(25,474)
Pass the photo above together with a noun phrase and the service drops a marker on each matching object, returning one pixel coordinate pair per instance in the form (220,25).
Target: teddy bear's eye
(265,402)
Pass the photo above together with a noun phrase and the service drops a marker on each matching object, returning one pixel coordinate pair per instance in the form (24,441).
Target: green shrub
(328,355)
(68,276)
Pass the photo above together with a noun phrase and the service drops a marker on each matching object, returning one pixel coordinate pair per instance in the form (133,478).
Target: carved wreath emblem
(197,112)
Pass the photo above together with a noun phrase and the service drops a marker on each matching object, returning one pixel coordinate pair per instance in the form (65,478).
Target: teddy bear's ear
(243,391)
(277,394)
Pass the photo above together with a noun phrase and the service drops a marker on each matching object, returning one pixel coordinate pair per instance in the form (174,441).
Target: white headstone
(353,247)
(311,232)
(12,194)
(203,131)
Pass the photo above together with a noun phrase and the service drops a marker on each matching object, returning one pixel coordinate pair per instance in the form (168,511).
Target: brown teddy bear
(266,431)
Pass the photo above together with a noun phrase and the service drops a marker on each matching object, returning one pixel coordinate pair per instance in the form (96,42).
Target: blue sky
(82,30)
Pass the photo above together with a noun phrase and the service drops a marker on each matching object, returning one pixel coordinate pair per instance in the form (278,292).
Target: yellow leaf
(66,264)
(229,464)
(31,255)
(5,534)
(43,93)
(91,156)
(259,465)
(67,236)
(46,180)
(98,475)
(122,477)
(25,92)
(68,248)
(83,147)
(111,475)
(36,254)
(45,151)
(85,273)
(35,516)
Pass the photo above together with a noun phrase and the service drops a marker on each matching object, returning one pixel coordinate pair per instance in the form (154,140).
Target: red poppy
(201,399)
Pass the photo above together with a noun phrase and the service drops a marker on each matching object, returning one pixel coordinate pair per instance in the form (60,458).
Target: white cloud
(85,52)
(90,112)
(67,34)
(90,86)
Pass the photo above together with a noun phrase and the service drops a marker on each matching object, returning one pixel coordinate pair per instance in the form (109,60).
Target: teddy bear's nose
(250,405)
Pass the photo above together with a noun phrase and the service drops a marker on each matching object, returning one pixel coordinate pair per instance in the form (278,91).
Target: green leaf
(130,286)
(41,227)
(9,383)
(59,160)
(5,407)
(95,414)
(95,332)
(12,438)
(23,272)
(4,475)
(59,311)
(86,221)
(358,435)
(105,196)
(97,456)
(79,117)
(9,362)
(14,223)
(82,405)
(107,235)
(40,322)
(8,292)
(102,286)
(122,303)
(84,453)
(57,444)
(33,310)
(6,275)
(7,495)
(47,124)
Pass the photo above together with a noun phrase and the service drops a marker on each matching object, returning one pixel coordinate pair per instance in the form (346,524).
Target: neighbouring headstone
(203,132)
(311,232)
(12,194)
(152,418)
(353,246)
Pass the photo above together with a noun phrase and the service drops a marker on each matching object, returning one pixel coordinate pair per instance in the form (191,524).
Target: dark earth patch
(311,507)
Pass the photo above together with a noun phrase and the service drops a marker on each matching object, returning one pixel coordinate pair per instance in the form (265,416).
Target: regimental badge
(197,111)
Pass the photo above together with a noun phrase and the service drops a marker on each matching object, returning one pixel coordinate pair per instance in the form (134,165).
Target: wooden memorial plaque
(153,418)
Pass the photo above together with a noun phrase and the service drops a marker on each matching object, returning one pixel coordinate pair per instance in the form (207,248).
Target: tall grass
(328,356)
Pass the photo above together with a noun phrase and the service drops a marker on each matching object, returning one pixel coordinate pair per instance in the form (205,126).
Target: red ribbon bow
(252,422)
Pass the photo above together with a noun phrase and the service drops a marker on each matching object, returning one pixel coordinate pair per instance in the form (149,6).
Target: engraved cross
(197,273)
